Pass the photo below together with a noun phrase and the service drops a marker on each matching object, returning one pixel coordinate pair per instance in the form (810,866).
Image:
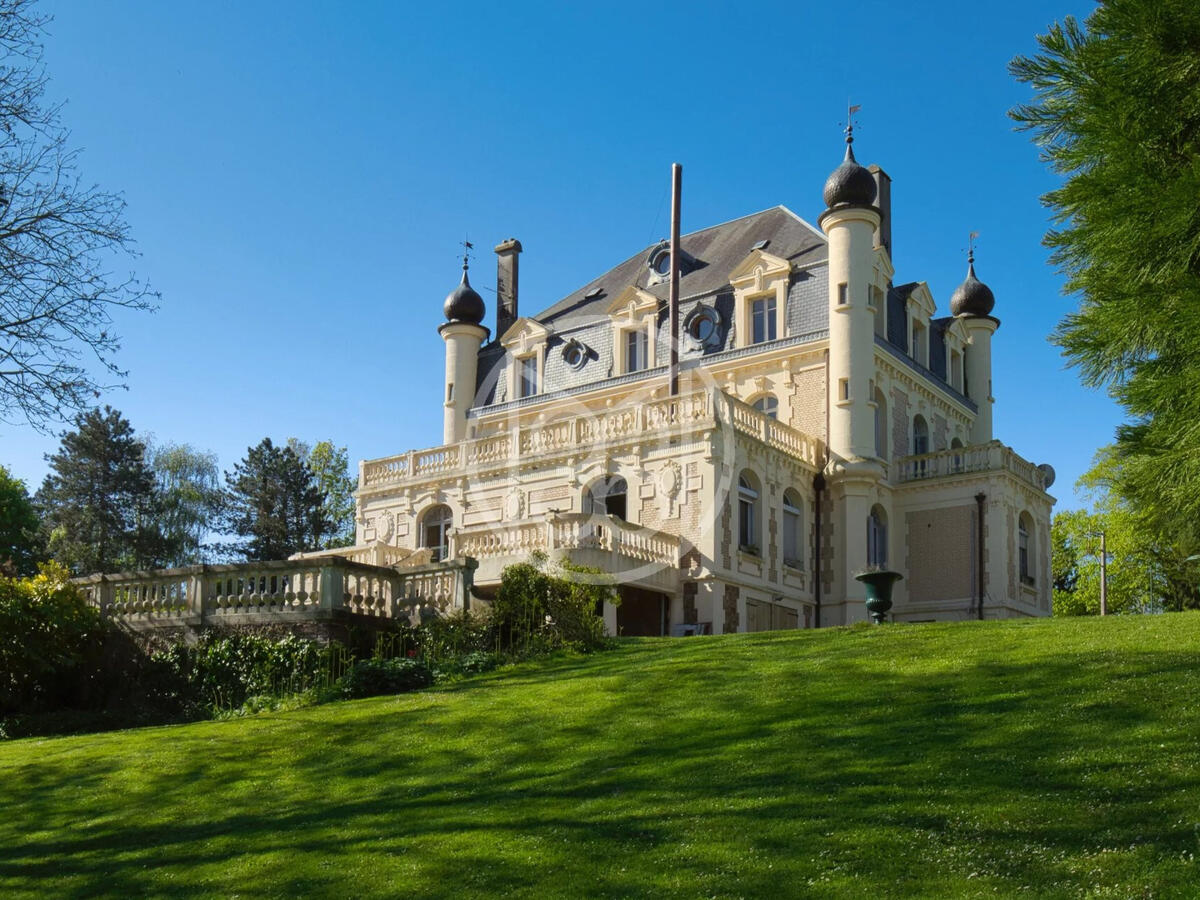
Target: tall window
(762,315)
(918,343)
(793,534)
(880,424)
(636,356)
(920,435)
(747,512)
(768,405)
(877,537)
(527,382)
(1024,528)
(435,530)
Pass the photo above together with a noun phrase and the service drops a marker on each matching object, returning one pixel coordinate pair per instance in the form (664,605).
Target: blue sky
(299,176)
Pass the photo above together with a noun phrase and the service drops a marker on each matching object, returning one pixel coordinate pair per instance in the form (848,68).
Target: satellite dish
(1047,471)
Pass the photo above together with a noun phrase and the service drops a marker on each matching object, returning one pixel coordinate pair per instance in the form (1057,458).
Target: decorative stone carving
(514,504)
(385,524)
(670,480)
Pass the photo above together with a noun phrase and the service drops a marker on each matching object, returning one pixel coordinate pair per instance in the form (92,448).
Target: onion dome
(972,297)
(463,304)
(850,184)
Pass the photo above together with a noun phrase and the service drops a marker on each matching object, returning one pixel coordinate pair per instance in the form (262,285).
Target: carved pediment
(921,299)
(759,266)
(632,303)
(524,333)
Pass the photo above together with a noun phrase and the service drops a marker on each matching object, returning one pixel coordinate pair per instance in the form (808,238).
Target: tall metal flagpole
(673,301)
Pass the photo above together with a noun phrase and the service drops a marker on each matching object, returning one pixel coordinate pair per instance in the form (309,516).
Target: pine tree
(99,502)
(273,504)
(1116,112)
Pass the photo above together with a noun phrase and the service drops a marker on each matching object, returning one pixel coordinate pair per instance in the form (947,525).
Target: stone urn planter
(879,592)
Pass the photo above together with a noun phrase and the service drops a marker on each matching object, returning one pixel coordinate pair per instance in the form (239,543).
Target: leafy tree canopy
(1116,112)
(99,501)
(332,476)
(188,483)
(20,539)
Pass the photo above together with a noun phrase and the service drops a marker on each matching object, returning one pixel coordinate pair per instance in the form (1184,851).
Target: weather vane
(467,248)
(971,246)
(850,111)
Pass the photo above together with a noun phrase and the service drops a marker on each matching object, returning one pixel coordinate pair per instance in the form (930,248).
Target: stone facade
(801,364)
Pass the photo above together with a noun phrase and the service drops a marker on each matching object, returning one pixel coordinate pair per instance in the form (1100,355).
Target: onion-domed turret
(850,184)
(463,304)
(972,297)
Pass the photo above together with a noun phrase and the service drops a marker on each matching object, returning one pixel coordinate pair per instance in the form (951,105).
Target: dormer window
(636,351)
(762,319)
(527,375)
(574,354)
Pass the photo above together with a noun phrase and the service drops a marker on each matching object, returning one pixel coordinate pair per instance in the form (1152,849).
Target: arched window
(877,544)
(767,405)
(920,435)
(793,532)
(748,512)
(957,462)
(880,424)
(1025,547)
(609,496)
(435,530)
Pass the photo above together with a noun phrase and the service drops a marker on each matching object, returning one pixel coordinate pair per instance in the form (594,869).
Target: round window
(701,325)
(662,263)
(574,355)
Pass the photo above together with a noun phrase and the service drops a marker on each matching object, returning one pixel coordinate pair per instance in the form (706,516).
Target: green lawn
(1055,758)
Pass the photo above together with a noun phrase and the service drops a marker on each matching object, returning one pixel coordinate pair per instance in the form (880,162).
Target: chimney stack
(507,253)
(883,199)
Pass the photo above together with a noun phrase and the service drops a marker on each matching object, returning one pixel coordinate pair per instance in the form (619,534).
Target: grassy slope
(1060,757)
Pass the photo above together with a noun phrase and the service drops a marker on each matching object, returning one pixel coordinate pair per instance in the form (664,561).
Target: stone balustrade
(593,434)
(278,592)
(990,457)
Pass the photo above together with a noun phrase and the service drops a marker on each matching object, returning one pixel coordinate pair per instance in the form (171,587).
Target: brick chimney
(883,198)
(507,253)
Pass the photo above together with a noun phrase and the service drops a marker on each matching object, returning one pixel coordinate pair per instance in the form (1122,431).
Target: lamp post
(1103,569)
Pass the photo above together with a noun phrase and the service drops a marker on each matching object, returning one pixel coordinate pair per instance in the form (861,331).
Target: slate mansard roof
(709,256)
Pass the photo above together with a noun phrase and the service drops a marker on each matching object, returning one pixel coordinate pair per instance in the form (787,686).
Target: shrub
(48,636)
(539,607)
(372,677)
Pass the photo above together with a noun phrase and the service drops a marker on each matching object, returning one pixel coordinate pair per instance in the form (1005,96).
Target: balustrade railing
(292,589)
(990,457)
(564,532)
(593,432)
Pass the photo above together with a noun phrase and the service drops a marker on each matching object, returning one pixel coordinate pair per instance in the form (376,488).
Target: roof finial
(850,111)
(971,251)
(467,247)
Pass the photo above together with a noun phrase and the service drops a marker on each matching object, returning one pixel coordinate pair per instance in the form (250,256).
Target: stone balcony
(992,457)
(589,434)
(630,554)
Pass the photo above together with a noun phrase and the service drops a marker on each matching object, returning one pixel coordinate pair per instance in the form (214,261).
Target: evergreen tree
(20,533)
(1116,112)
(189,486)
(99,502)
(273,504)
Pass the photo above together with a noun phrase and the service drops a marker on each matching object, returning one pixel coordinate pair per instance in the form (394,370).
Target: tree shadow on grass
(842,769)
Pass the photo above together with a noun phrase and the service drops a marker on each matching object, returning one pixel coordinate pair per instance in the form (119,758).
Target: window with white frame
(637,356)
(527,375)
(768,405)
(877,554)
(435,530)
(1025,547)
(762,319)
(919,343)
(747,512)
(793,534)
(880,424)
(879,302)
